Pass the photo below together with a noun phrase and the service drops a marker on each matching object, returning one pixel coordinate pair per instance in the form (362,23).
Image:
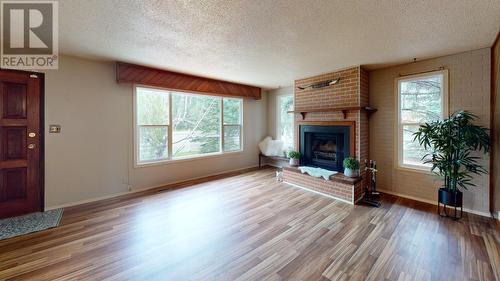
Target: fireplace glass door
(324,146)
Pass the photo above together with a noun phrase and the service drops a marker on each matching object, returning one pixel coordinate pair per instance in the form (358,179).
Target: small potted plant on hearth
(351,167)
(451,143)
(294,158)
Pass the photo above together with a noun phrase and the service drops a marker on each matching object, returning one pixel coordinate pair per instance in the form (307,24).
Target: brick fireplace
(336,118)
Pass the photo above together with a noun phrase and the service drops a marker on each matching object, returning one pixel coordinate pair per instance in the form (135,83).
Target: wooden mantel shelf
(344,110)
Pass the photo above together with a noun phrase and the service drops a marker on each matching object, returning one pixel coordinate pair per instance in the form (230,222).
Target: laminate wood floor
(249,227)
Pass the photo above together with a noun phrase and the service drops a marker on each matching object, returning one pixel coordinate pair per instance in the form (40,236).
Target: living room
(271,140)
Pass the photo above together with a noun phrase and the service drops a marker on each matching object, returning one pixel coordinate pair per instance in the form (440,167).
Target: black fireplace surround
(324,146)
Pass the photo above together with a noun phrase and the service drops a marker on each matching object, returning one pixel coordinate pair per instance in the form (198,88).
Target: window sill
(188,159)
(415,169)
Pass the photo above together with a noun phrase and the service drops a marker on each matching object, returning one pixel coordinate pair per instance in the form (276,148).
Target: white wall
(92,157)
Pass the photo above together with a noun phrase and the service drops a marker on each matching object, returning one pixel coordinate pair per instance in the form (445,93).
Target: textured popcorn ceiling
(270,43)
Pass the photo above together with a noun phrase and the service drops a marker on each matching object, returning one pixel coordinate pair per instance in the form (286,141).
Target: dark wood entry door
(20,185)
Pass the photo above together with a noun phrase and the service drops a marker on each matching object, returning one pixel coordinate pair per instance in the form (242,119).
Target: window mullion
(222,126)
(170,122)
(241,124)
(241,137)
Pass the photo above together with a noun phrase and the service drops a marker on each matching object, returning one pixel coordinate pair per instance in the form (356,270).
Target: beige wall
(92,157)
(469,89)
(272,99)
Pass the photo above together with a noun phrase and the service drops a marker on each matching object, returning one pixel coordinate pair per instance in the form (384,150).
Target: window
(174,125)
(152,125)
(420,98)
(232,124)
(195,125)
(284,119)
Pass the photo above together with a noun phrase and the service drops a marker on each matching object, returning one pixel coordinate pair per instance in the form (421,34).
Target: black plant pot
(449,198)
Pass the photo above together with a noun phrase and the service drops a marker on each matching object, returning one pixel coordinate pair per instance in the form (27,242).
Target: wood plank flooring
(249,227)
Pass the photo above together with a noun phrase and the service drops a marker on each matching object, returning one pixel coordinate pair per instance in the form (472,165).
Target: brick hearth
(339,186)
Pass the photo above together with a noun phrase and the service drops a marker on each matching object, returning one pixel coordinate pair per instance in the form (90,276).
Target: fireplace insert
(324,146)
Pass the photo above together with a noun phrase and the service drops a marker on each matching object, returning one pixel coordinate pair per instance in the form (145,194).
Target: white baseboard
(431,202)
(75,203)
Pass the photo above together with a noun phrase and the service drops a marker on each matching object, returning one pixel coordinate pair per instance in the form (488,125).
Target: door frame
(41,176)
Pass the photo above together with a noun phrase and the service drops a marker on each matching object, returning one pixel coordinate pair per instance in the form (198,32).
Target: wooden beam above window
(136,74)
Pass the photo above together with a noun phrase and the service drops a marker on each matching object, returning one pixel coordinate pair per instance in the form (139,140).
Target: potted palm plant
(451,143)
(351,167)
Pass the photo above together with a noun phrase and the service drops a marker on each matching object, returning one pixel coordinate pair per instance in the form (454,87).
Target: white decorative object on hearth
(317,172)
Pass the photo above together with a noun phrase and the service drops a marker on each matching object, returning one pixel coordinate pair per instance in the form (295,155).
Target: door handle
(31,146)
(32,135)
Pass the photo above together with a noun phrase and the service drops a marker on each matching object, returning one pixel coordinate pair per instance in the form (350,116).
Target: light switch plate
(54,129)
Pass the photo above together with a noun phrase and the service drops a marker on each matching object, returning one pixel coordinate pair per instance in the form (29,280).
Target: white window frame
(278,117)
(171,160)
(399,125)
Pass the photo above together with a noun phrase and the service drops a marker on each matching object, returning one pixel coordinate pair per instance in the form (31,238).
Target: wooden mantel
(142,75)
(344,110)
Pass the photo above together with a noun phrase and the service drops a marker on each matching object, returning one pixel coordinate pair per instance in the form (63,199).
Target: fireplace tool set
(371,197)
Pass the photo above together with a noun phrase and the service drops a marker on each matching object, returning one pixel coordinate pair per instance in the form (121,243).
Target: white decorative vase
(351,173)
(294,161)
